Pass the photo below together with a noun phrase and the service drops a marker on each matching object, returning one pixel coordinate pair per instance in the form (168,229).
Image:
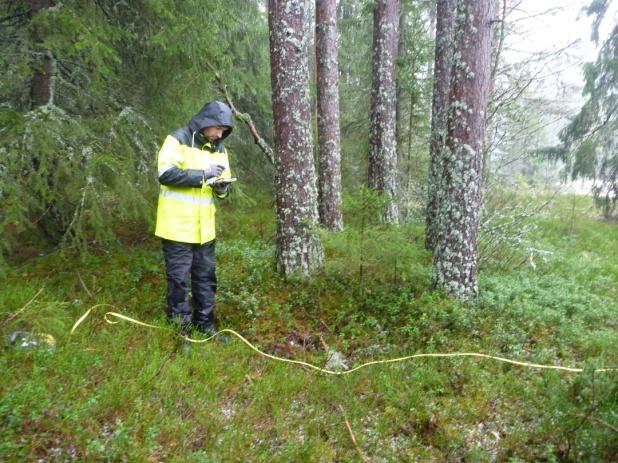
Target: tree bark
(382,169)
(445,32)
(41,85)
(455,257)
(329,146)
(299,250)
(399,90)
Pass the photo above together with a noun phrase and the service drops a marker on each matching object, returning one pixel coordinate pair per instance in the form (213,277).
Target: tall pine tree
(299,250)
(382,169)
(455,257)
(445,28)
(329,145)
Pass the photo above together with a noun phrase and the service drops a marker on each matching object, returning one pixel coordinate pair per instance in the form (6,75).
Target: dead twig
(244,117)
(347,425)
(598,421)
(324,325)
(11,317)
(90,294)
(167,358)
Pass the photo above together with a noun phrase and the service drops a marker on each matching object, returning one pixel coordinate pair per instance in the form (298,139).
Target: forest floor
(548,295)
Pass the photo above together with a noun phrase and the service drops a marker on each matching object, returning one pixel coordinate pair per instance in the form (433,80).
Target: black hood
(213,114)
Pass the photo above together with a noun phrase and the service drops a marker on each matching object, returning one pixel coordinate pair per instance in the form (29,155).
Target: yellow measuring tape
(110,316)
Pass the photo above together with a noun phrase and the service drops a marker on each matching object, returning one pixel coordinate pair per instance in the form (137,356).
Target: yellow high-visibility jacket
(187,213)
(186,210)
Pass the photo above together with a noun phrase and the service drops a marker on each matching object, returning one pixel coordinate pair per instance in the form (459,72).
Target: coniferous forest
(417,261)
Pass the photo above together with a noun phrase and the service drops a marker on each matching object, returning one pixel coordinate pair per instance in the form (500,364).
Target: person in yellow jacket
(193,170)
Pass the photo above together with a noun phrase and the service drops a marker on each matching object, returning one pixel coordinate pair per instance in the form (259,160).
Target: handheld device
(220,181)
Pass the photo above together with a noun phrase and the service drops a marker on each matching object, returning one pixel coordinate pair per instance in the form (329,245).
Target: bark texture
(399,91)
(443,62)
(455,257)
(43,67)
(299,251)
(382,169)
(329,145)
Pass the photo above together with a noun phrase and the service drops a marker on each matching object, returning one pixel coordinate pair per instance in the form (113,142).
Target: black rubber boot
(182,326)
(210,329)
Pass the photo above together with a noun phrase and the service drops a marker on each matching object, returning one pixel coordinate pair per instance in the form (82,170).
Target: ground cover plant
(128,393)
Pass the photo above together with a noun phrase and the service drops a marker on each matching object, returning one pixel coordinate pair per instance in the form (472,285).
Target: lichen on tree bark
(299,250)
(445,28)
(455,257)
(329,146)
(382,168)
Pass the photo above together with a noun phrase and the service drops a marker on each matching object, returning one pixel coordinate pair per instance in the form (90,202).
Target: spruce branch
(243,117)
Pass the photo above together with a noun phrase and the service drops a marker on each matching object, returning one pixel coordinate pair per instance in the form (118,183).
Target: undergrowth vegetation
(127,393)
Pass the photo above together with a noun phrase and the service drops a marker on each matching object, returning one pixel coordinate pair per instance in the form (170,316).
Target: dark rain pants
(194,262)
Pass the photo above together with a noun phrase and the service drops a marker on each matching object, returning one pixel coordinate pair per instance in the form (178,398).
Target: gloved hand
(214,170)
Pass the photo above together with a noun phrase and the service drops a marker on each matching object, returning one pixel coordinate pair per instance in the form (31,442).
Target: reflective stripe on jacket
(187,213)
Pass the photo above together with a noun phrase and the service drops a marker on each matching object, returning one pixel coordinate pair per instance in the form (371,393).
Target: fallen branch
(328,330)
(90,294)
(598,421)
(244,117)
(347,424)
(167,358)
(11,317)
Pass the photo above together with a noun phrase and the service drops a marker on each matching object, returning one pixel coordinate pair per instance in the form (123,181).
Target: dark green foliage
(15,56)
(82,165)
(67,178)
(415,82)
(588,143)
(125,74)
(597,8)
(355,20)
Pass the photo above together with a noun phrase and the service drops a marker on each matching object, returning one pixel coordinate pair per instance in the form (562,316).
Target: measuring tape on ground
(113,318)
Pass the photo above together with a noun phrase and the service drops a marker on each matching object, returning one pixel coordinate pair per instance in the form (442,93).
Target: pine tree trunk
(329,147)
(455,257)
(382,169)
(299,251)
(41,85)
(445,31)
(399,91)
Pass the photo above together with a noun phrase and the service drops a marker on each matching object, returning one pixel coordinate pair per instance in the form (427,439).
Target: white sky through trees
(551,40)
(554,25)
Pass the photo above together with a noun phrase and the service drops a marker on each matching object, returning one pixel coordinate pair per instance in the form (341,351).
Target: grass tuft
(126,393)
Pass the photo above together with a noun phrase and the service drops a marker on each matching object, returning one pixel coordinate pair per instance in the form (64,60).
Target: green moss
(128,393)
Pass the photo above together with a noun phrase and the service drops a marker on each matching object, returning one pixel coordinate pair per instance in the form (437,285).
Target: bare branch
(347,425)
(16,313)
(244,117)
